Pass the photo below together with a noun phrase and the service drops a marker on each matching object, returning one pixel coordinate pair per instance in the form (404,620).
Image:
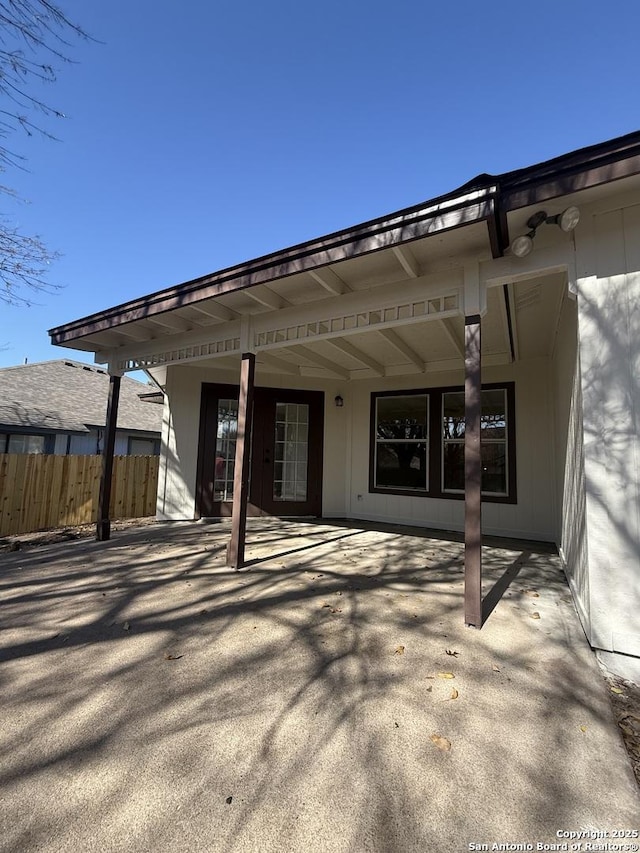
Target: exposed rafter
(447,328)
(330,281)
(407,261)
(216,311)
(320,360)
(134,333)
(279,364)
(169,321)
(263,295)
(350,350)
(404,349)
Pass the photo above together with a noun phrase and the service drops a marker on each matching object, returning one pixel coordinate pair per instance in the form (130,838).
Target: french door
(285,452)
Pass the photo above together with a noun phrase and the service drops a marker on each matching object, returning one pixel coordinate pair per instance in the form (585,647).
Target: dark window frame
(435,443)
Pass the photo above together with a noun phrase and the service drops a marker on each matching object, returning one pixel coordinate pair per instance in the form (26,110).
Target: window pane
(401,465)
(290,459)
(227,431)
(453,415)
(26,444)
(401,417)
(453,467)
(494,468)
(494,414)
(493,420)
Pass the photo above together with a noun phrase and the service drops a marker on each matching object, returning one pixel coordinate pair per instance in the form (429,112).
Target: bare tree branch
(35,36)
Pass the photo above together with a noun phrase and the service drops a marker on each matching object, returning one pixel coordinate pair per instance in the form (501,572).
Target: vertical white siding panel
(609,339)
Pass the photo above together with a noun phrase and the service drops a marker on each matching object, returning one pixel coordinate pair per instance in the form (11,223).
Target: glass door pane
(291,452)
(227,431)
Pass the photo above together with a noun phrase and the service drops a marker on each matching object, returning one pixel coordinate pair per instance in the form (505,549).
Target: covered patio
(325,697)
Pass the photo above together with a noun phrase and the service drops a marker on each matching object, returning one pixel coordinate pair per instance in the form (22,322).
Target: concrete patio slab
(154,700)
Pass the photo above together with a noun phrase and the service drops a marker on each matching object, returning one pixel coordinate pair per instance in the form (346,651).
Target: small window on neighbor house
(26,444)
(141,447)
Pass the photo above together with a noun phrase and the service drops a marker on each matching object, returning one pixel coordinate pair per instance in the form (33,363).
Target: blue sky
(202,134)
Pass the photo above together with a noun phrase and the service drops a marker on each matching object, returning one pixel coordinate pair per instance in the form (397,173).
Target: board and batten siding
(609,335)
(571,530)
(533,515)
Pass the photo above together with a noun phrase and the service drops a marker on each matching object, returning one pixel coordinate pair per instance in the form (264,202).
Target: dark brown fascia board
(583,169)
(587,167)
(401,227)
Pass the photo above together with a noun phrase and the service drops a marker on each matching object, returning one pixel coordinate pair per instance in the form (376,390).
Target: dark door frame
(261,464)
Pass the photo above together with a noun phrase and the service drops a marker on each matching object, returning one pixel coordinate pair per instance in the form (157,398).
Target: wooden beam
(235,551)
(407,261)
(349,349)
(445,325)
(472,475)
(396,341)
(276,363)
(139,334)
(326,278)
(265,296)
(320,360)
(216,312)
(103,528)
(175,324)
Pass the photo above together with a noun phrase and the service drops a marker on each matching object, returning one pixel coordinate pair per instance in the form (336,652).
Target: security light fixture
(567,220)
(339,401)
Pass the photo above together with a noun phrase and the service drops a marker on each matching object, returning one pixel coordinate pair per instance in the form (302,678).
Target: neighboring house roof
(72,397)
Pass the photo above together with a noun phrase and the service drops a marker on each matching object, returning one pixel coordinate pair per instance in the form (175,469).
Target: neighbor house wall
(181,426)
(609,335)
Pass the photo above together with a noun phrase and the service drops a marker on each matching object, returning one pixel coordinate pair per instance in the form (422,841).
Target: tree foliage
(35,38)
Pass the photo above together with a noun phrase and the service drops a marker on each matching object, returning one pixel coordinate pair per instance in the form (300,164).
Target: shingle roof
(71,396)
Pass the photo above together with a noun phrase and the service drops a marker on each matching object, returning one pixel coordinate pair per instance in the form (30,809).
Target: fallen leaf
(442,743)
(399,650)
(446,675)
(454,694)
(325,605)
(616,690)
(532,593)
(172,657)
(336,610)
(583,728)
(535,615)
(229,800)
(429,688)
(495,668)
(397,725)
(453,654)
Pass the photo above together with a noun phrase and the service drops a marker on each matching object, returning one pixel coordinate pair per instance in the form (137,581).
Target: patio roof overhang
(440,263)
(296,308)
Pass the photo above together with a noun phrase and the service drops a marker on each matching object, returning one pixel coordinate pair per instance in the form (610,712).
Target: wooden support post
(103,529)
(472,475)
(235,551)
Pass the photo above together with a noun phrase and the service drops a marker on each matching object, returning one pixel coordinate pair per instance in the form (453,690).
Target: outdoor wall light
(566,221)
(339,401)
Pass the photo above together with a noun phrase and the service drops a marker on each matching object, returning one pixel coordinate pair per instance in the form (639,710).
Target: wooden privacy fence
(39,491)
